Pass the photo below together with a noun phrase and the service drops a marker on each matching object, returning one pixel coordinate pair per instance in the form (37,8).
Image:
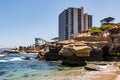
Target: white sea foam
(3,61)
(13,59)
(2,55)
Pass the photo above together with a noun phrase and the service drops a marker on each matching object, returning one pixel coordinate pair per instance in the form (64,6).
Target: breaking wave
(2,55)
(12,59)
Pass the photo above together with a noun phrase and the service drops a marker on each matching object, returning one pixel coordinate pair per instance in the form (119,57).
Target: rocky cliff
(74,52)
(112,51)
(114,42)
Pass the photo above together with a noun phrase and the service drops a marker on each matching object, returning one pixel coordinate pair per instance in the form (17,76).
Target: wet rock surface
(26,58)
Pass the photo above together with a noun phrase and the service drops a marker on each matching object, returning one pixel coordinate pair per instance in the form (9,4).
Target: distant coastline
(3,49)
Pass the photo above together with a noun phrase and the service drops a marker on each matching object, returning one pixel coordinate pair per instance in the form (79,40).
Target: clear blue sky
(23,20)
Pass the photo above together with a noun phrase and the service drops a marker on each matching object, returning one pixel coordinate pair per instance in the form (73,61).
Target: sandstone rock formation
(112,51)
(78,49)
(96,44)
(114,41)
(52,54)
(42,52)
(74,53)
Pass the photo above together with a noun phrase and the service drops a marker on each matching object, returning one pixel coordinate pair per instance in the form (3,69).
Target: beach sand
(110,72)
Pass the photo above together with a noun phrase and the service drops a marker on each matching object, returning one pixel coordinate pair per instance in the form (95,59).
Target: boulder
(26,58)
(74,54)
(78,49)
(52,55)
(41,53)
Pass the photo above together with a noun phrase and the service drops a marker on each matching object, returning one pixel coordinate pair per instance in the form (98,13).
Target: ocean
(14,67)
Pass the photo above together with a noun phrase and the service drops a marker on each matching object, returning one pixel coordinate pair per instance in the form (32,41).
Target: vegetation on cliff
(98,30)
(95,31)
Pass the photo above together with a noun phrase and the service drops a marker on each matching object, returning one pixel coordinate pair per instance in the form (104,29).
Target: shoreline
(107,71)
(111,72)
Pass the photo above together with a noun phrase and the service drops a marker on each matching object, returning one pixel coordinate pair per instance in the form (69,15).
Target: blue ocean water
(14,67)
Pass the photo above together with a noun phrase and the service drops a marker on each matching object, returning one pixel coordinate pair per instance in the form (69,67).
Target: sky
(23,20)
